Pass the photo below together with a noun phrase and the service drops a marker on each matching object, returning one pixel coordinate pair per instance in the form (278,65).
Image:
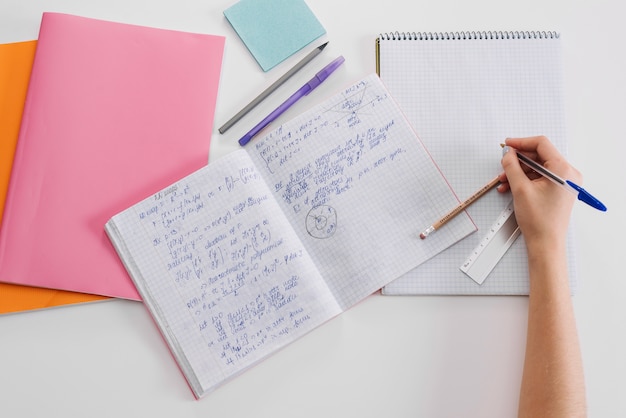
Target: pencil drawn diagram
(355,104)
(321,222)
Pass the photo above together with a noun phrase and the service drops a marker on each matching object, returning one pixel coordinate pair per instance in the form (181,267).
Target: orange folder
(16,60)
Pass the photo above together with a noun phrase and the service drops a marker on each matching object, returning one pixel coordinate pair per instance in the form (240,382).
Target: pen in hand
(300,93)
(568,185)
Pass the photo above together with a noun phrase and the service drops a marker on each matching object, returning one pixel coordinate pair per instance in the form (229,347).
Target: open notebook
(256,249)
(464,93)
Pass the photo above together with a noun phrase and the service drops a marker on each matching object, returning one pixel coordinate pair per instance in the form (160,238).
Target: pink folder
(113,113)
(16,61)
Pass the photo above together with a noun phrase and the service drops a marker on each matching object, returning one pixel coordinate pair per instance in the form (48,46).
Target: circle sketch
(321,222)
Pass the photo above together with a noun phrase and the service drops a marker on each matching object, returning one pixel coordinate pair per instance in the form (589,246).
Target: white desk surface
(392,357)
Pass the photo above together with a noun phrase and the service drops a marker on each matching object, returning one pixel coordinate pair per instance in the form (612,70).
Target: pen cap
(325,72)
(586,197)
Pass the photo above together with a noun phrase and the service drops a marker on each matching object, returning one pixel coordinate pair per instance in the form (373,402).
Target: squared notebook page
(259,247)
(221,271)
(358,186)
(464,94)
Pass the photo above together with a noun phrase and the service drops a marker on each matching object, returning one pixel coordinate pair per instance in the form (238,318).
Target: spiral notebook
(464,93)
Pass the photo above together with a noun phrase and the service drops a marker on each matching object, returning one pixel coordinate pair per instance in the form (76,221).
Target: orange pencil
(460,208)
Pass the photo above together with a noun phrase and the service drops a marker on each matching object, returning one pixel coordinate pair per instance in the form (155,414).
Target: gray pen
(273,87)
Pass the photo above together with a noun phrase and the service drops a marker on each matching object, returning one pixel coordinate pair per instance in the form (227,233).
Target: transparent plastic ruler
(499,238)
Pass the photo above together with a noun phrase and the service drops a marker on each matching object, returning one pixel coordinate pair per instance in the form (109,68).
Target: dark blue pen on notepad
(568,185)
(300,93)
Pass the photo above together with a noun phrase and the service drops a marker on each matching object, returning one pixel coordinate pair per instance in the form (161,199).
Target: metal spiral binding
(467,35)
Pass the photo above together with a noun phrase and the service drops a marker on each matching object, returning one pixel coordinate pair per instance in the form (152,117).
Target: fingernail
(505,149)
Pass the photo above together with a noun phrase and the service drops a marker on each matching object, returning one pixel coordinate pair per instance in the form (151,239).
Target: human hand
(542,209)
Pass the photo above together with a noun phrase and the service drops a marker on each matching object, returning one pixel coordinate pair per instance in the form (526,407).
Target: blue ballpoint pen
(569,185)
(302,91)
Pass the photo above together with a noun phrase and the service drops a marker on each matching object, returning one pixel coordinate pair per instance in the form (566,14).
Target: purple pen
(300,93)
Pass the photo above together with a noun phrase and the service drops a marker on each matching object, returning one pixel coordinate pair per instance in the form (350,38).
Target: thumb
(512,168)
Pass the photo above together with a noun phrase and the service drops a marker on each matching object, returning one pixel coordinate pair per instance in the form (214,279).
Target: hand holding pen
(532,200)
(542,207)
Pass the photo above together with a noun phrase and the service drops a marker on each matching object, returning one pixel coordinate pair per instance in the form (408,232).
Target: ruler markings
(492,247)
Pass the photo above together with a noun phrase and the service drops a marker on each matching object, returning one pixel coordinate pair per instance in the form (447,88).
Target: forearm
(553,383)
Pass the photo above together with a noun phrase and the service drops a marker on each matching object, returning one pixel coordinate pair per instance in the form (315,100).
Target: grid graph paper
(354,163)
(252,251)
(464,94)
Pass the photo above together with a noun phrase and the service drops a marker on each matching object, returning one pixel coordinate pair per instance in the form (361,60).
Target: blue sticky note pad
(273,30)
